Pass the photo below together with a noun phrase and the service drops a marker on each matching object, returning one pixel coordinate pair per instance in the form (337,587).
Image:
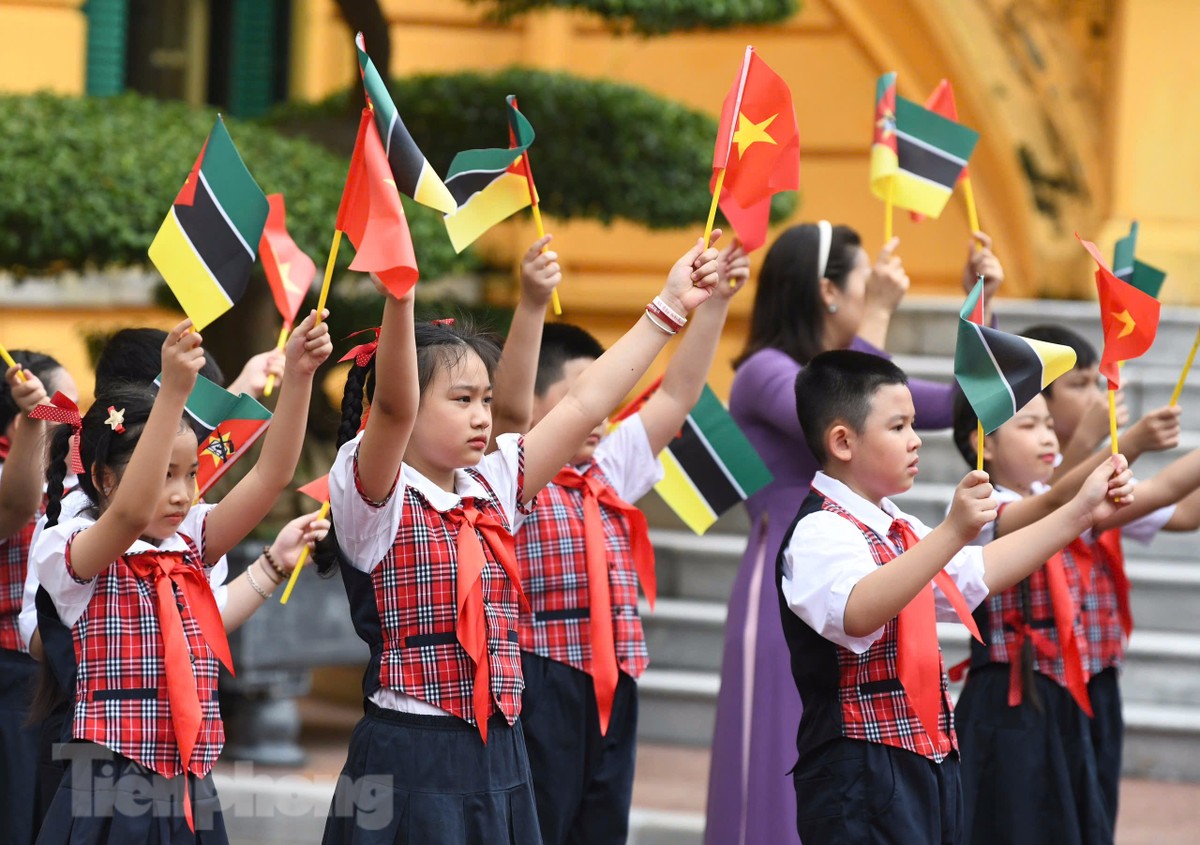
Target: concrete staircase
(1161,684)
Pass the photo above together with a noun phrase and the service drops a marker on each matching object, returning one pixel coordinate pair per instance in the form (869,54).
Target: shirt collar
(465,485)
(878,519)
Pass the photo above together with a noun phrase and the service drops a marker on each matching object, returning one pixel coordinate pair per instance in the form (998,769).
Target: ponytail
(56,472)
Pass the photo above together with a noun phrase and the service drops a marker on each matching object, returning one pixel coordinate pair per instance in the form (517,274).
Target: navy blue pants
(18,748)
(866,793)
(1108,737)
(583,781)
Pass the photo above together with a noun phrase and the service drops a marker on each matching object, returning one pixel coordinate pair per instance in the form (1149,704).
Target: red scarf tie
(471,625)
(168,571)
(1114,559)
(918,661)
(604,668)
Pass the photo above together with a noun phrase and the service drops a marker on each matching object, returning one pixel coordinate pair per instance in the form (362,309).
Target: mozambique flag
(414,175)
(289,271)
(1129,317)
(1127,268)
(209,239)
(921,154)
(941,101)
(226,426)
(758,147)
(372,215)
(489,185)
(999,372)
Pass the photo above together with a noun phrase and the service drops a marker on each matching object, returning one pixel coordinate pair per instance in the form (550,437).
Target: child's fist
(981,261)
(733,270)
(540,272)
(888,282)
(182,358)
(28,394)
(310,345)
(306,530)
(1109,487)
(1157,431)
(972,506)
(691,280)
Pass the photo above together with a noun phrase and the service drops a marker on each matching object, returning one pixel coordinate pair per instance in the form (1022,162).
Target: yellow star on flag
(285,273)
(1127,321)
(749,132)
(219,447)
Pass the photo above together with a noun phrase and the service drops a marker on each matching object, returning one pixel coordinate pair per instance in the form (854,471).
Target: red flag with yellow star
(1129,317)
(372,216)
(758,147)
(289,271)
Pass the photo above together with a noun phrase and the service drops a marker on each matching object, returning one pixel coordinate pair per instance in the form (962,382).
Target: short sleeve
(822,563)
(504,469)
(51,557)
(218,574)
(625,459)
(1144,528)
(966,571)
(365,529)
(27,620)
(194,526)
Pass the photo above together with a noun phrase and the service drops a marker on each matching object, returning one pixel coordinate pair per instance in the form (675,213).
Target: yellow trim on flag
(432,191)
(197,289)
(884,166)
(1057,360)
(678,491)
(505,196)
(920,195)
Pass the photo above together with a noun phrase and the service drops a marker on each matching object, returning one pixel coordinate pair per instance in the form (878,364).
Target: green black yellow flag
(1127,268)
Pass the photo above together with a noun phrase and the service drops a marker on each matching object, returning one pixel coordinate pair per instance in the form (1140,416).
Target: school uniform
(1029,770)
(878,756)
(582,554)
(1108,622)
(146,725)
(439,756)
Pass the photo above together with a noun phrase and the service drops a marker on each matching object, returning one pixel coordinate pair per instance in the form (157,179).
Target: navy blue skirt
(429,780)
(1029,774)
(107,798)
(18,748)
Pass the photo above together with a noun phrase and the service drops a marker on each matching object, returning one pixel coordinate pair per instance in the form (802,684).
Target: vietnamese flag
(289,271)
(941,101)
(758,147)
(1129,317)
(317,489)
(372,216)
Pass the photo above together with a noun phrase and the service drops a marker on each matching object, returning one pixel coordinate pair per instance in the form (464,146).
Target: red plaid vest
(550,547)
(874,705)
(1106,636)
(415,592)
(121,685)
(14,562)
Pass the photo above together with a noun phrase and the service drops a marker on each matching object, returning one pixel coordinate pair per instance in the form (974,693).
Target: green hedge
(656,17)
(603,151)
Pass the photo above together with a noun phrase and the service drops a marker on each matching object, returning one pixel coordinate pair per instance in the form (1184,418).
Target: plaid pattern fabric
(14,560)
(416,595)
(875,707)
(551,550)
(1005,611)
(121,684)
(1101,607)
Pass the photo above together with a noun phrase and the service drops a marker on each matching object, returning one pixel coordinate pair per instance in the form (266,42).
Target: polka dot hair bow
(364,352)
(62,410)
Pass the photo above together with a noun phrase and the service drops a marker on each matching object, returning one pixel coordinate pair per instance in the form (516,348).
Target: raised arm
(1173,484)
(886,287)
(684,379)
(516,372)
(253,497)
(25,466)
(605,383)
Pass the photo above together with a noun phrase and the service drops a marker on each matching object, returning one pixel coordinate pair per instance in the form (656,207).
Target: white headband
(825,238)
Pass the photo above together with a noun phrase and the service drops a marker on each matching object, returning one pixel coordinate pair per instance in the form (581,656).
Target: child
(877,751)
(424,526)
(582,645)
(129,578)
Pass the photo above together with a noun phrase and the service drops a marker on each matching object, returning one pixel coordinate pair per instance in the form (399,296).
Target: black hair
(134,356)
(788,313)
(438,345)
(838,386)
(1085,353)
(100,447)
(966,428)
(42,366)
(562,342)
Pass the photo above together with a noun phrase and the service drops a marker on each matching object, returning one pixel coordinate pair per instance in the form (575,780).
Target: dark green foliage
(657,17)
(603,151)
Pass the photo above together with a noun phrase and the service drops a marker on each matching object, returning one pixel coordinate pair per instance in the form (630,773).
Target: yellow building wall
(42,46)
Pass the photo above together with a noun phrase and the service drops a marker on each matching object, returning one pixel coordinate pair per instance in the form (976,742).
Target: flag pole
(887,209)
(1112,418)
(969,197)
(283,336)
(979,445)
(537,213)
(329,265)
(1186,368)
(8,359)
(291,584)
(712,209)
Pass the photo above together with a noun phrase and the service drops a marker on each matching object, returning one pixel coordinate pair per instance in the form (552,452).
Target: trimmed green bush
(655,17)
(603,151)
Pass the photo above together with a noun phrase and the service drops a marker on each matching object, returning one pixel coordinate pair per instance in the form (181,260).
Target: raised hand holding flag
(319,490)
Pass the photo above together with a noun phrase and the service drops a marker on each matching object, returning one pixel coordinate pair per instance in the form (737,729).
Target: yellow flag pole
(969,197)
(979,445)
(1187,366)
(541,233)
(1112,418)
(283,336)
(329,265)
(887,210)
(291,584)
(712,209)
(8,359)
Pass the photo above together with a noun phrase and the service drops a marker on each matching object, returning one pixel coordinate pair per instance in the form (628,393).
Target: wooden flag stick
(8,359)
(534,204)
(287,592)
(887,210)
(979,445)
(541,233)
(969,197)
(1112,418)
(712,209)
(329,265)
(283,336)
(1187,366)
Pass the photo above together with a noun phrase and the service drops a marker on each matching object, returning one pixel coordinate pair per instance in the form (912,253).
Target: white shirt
(366,530)
(625,458)
(827,556)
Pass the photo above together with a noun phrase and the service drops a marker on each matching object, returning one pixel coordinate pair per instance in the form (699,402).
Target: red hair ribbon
(445,321)
(364,352)
(62,410)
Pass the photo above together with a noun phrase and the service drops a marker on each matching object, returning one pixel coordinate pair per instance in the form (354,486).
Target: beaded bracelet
(270,559)
(250,577)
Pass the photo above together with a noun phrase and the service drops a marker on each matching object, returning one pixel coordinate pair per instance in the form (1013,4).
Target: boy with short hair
(877,750)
